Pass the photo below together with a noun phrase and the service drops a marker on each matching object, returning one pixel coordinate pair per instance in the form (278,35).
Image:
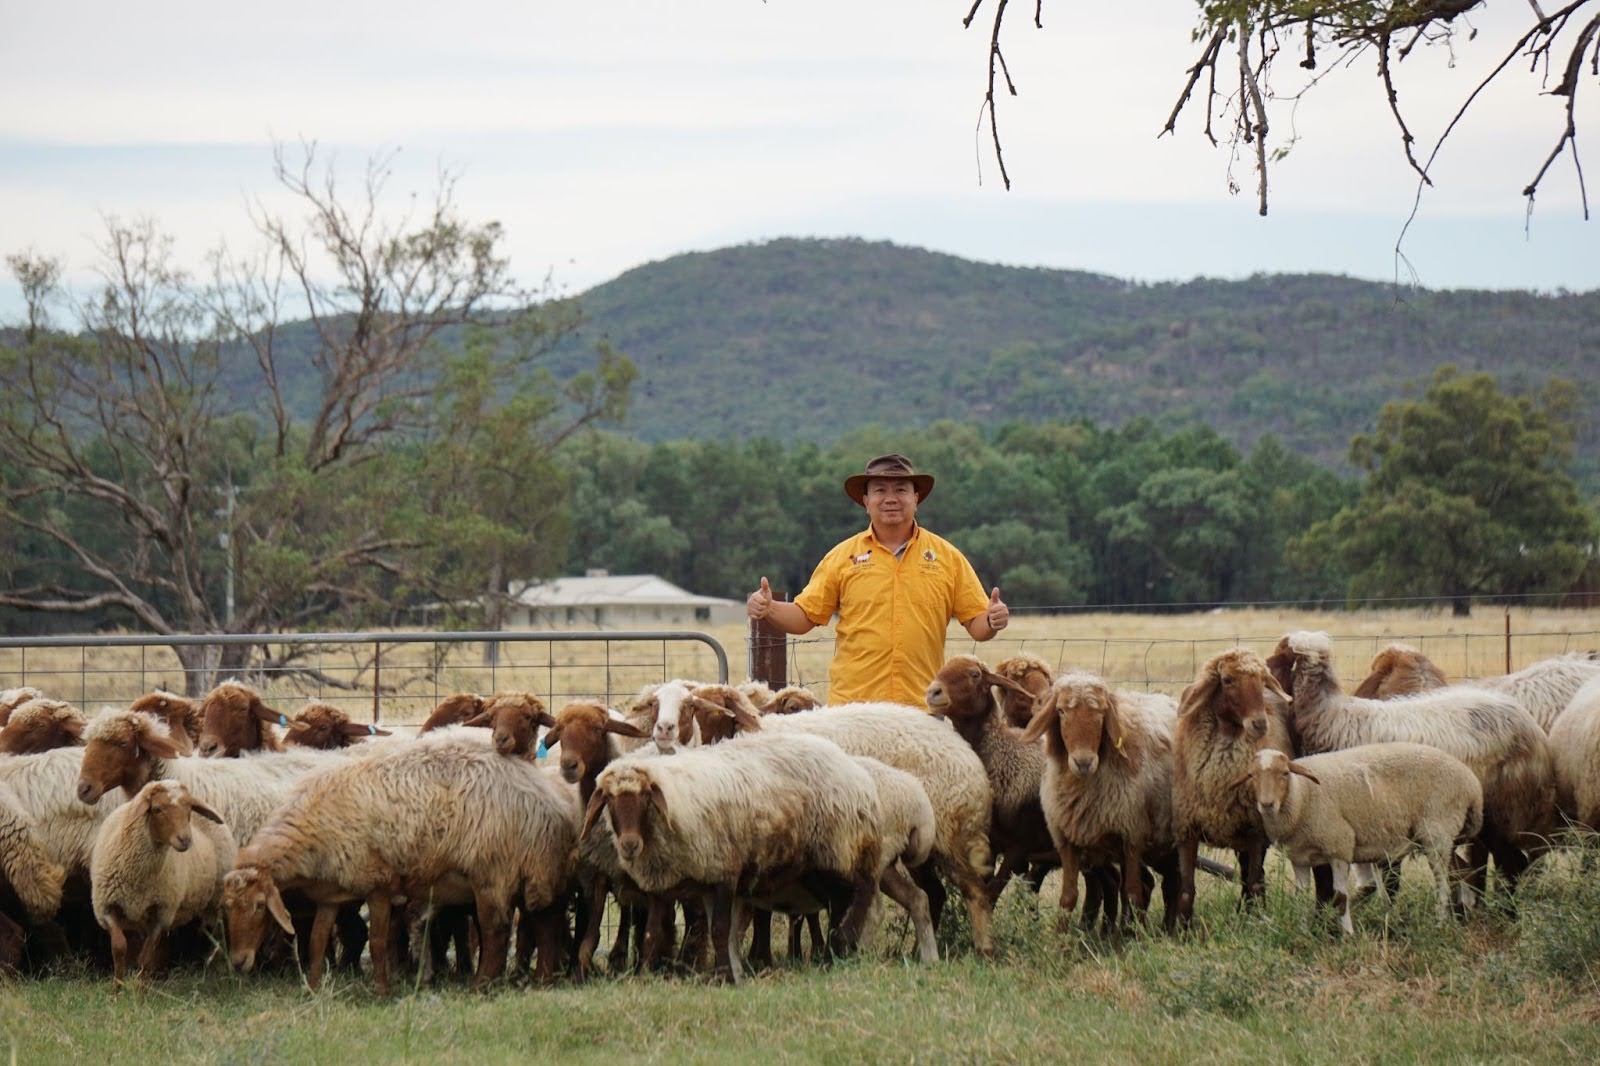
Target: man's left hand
(999,615)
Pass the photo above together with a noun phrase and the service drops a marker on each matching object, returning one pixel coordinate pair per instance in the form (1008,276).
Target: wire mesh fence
(389,677)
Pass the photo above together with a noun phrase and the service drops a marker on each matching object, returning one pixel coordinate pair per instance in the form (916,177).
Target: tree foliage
(1466,493)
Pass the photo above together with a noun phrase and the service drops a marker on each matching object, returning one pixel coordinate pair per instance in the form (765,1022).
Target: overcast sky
(606,135)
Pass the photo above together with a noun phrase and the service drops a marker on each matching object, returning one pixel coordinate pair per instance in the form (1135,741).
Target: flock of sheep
(127,837)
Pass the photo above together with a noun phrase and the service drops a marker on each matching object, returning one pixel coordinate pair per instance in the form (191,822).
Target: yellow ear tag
(1119,743)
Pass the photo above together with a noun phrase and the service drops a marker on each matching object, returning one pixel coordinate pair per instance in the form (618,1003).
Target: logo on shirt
(929,556)
(864,557)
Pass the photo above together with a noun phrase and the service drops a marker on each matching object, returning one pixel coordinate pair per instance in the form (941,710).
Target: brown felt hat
(893,465)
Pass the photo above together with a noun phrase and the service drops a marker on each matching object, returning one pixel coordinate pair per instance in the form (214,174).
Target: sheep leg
(1009,862)
(526,941)
(863,890)
(352,938)
(151,954)
(119,949)
(549,924)
(1188,851)
(1069,887)
(1341,896)
(379,910)
(727,969)
(927,879)
(1133,879)
(1252,873)
(1171,888)
(630,920)
(321,930)
(692,952)
(494,943)
(591,930)
(1439,860)
(761,939)
(1478,867)
(819,943)
(1464,894)
(795,929)
(654,947)
(898,886)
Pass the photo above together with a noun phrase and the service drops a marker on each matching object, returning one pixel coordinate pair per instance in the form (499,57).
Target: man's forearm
(788,617)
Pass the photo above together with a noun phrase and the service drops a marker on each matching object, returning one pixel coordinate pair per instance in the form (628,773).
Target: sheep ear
(299,726)
(1273,686)
(597,803)
(276,908)
(267,714)
(203,811)
(1239,781)
(481,720)
(992,678)
(72,727)
(1199,694)
(659,798)
(1296,768)
(155,745)
(552,736)
(1044,713)
(544,718)
(356,729)
(622,729)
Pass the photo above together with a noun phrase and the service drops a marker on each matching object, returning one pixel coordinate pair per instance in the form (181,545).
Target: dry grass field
(1160,652)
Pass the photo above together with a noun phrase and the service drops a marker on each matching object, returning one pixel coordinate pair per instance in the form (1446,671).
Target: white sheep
(1575,740)
(442,819)
(152,871)
(44,788)
(1375,803)
(25,865)
(1544,689)
(1488,731)
(744,819)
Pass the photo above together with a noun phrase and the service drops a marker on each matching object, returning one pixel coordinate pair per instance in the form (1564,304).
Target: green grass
(1274,986)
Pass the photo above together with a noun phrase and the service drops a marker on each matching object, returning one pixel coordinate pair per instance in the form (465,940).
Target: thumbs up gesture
(759,605)
(999,614)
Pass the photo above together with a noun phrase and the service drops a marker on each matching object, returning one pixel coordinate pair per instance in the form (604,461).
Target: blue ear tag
(372,730)
(283,720)
(541,751)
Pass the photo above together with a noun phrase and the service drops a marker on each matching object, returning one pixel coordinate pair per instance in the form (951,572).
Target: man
(895,588)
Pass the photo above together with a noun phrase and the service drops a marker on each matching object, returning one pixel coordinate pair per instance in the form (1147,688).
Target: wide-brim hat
(893,465)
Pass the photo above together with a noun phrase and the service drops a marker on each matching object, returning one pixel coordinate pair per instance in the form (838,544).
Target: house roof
(639,590)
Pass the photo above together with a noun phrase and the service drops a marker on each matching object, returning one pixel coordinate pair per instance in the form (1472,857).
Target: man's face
(891,501)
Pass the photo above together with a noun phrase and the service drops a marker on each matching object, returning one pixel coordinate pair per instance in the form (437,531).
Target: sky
(607,135)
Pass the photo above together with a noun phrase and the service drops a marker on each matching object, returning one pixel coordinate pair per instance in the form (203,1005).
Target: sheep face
(792,700)
(324,727)
(628,797)
(663,708)
(1082,720)
(119,751)
(181,715)
(1269,780)
(1034,675)
(1234,684)
(41,725)
(581,730)
(1281,665)
(721,713)
(249,900)
(234,719)
(168,809)
(515,719)
(961,690)
(453,710)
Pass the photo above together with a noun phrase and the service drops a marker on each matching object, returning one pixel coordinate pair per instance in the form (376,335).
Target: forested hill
(810,338)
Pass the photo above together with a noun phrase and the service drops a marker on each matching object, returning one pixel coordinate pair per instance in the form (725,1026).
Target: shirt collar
(871,538)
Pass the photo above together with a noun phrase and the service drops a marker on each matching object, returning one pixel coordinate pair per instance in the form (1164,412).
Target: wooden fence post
(769,646)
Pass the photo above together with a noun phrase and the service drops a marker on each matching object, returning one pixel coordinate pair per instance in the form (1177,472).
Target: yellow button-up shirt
(892,613)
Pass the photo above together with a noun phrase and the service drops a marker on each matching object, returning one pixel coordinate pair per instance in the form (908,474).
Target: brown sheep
(792,699)
(41,725)
(234,719)
(325,727)
(181,714)
(1034,675)
(1400,670)
(1223,720)
(453,710)
(515,718)
(12,698)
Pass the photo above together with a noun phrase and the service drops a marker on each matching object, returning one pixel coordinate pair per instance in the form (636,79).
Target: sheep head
(1400,670)
(662,707)
(120,749)
(1268,777)
(1084,724)
(721,712)
(629,792)
(963,691)
(792,699)
(234,719)
(1034,675)
(581,730)
(181,714)
(249,898)
(40,725)
(515,718)
(167,809)
(1234,685)
(453,710)
(12,698)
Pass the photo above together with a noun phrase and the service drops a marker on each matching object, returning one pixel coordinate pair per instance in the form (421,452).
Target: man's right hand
(759,605)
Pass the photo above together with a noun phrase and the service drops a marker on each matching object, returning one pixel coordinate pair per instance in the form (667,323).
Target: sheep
(1543,689)
(152,872)
(182,715)
(1223,719)
(43,786)
(1488,731)
(235,720)
(1107,782)
(659,708)
(949,771)
(1374,803)
(758,693)
(445,818)
(324,727)
(1034,675)
(745,818)
(906,830)
(453,710)
(41,724)
(792,699)
(128,749)
(12,698)
(27,873)
(1575,740)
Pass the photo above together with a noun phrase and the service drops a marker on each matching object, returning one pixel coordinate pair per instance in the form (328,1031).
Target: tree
(1559,44)
(188,437)
(1466,493)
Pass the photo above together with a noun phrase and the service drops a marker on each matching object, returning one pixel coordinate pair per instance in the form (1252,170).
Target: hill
(806,339)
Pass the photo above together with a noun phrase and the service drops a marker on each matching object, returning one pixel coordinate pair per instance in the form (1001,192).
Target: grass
(1277,985)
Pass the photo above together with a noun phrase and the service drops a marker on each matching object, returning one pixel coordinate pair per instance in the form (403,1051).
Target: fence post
(769,661)
(1508,639)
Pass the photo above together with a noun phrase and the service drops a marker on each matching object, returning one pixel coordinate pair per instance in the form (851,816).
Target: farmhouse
(614,601)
